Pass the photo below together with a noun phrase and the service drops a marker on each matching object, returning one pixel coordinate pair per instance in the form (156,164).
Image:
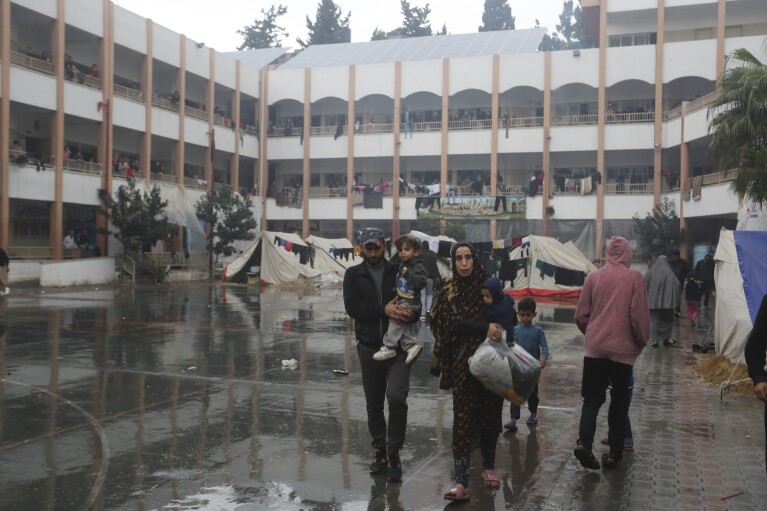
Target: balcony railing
(525,122)
(87,80)
(191,182)
(167,258)
(720,177)
(32,63)
(283,132)
(41,253)
(86,167)
(127,92)
(574,120)
(196,113)
(164,103)
(613,188)
(695,104)
(630,117)
(427,126)
(470,125)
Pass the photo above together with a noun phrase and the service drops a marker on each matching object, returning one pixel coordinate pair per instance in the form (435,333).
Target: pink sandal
(491,480)
(457,493)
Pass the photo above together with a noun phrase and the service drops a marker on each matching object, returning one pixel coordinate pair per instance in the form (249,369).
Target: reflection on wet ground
(178,398)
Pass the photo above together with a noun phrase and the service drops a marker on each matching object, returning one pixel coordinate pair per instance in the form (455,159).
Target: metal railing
(630,117)
(30,252)
(32,63)
(386,127)
(470,125)
(164,103)
(326,130)
(613,188)
(574,120)
(427,126)
(90,81)
(82,166)
(524,122)
(191,182)
(283,132)
(196,113)
(167,258)
(127,92)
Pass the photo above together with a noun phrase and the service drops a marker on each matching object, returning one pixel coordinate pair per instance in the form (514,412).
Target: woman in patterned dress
(459,327)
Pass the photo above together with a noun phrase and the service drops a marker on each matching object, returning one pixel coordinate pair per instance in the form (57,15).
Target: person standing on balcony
(500,196)
(84,242)
(5,266)
(93,71)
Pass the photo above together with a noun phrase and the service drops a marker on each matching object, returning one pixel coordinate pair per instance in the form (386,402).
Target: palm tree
(738,124)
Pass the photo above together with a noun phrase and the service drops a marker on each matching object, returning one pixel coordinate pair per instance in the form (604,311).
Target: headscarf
(662,285)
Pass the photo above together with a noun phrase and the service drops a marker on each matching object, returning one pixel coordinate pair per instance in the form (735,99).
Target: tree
(415,20)
(659,231)
(738,125)
(138,217)
(571,33)
(497,16)
(264,32)
(329,26)
(378,35)
(228,218)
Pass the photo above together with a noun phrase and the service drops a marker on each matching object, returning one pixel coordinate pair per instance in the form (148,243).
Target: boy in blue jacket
(533,340)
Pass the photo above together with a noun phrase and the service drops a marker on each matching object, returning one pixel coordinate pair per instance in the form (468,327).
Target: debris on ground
(716,369)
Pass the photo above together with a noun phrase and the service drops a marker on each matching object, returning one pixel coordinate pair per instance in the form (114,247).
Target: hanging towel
(545,268)
(565,277)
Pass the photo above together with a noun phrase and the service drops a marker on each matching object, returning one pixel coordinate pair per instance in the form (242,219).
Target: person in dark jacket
(681,268)
(370,299)
(5,266)
(704,272)
(429,261)
(756,352)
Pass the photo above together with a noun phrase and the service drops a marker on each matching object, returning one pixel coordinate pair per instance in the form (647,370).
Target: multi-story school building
(480,134)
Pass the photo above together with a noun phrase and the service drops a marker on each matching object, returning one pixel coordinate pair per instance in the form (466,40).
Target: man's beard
(373,260)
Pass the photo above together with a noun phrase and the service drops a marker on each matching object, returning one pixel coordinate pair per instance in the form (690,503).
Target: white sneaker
(384,354)
(7,291)
(413,354)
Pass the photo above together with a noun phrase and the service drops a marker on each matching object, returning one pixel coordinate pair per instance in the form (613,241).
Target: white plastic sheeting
(322,255)
(180,210)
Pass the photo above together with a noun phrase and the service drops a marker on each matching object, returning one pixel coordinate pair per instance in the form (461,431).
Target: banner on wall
(475,206)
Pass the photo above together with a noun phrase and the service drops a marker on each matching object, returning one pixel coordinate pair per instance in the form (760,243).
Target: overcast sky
(215,22)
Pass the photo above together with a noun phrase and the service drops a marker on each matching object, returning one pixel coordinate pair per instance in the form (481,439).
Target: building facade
(573,143)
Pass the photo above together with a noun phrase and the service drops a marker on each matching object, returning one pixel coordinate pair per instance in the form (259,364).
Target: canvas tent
(279,256)
(548,268)
(741,282)
(332,252)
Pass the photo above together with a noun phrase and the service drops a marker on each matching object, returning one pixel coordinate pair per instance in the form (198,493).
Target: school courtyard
(212,397)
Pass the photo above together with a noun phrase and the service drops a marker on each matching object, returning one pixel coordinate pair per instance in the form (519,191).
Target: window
(632,39)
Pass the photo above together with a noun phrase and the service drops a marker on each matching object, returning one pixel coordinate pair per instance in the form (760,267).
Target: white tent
(741,282)
(325,248)
(550,268)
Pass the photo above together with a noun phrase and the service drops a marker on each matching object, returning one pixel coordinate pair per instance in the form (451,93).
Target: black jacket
(363,304)
(429,260)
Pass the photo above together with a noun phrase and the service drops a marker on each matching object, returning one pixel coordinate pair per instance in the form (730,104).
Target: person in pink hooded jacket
(614,316)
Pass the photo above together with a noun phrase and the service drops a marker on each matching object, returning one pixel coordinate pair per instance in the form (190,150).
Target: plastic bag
(508,371)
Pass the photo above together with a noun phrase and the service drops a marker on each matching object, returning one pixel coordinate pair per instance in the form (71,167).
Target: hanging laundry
(546,269)
(565,277)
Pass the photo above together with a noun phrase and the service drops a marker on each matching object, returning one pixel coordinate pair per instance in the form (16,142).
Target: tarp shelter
(283,258)
(548,268)
(331,252)
(741,282)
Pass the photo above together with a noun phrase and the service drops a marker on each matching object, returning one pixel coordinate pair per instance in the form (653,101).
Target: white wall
(166,45)
(326,147)
(521,140)
(287,84)
(330,82)
(81,188)
(374,145)
(197,59)
(469,142)
(573,207)
(87,15)
(21,271)
(26,183)
(164,123)
(224,139)
(689,58)
(285,148)
(130,30)
(714,200)
(273,212)
(422,76)
(47,7)
(629,136)
(681,3)
(534,208)
(129,114)
(82,101)
(630,63)
(753,44)
(567,68)
(78,272)
(327,208)
(374,79)
(194,132)
(696,125)
(573,138)
(226,71)
(249,81)
(33,88)
(624,207)
(249,146)
(524,69)
(471,73)
(672,133)
(421,144)
(630,5)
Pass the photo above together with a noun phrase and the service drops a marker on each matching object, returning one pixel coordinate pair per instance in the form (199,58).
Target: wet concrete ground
(177,399)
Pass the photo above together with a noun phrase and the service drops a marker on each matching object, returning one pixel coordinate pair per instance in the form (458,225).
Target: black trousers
(597,373)
(706,292)
(498,200)
(389,380)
